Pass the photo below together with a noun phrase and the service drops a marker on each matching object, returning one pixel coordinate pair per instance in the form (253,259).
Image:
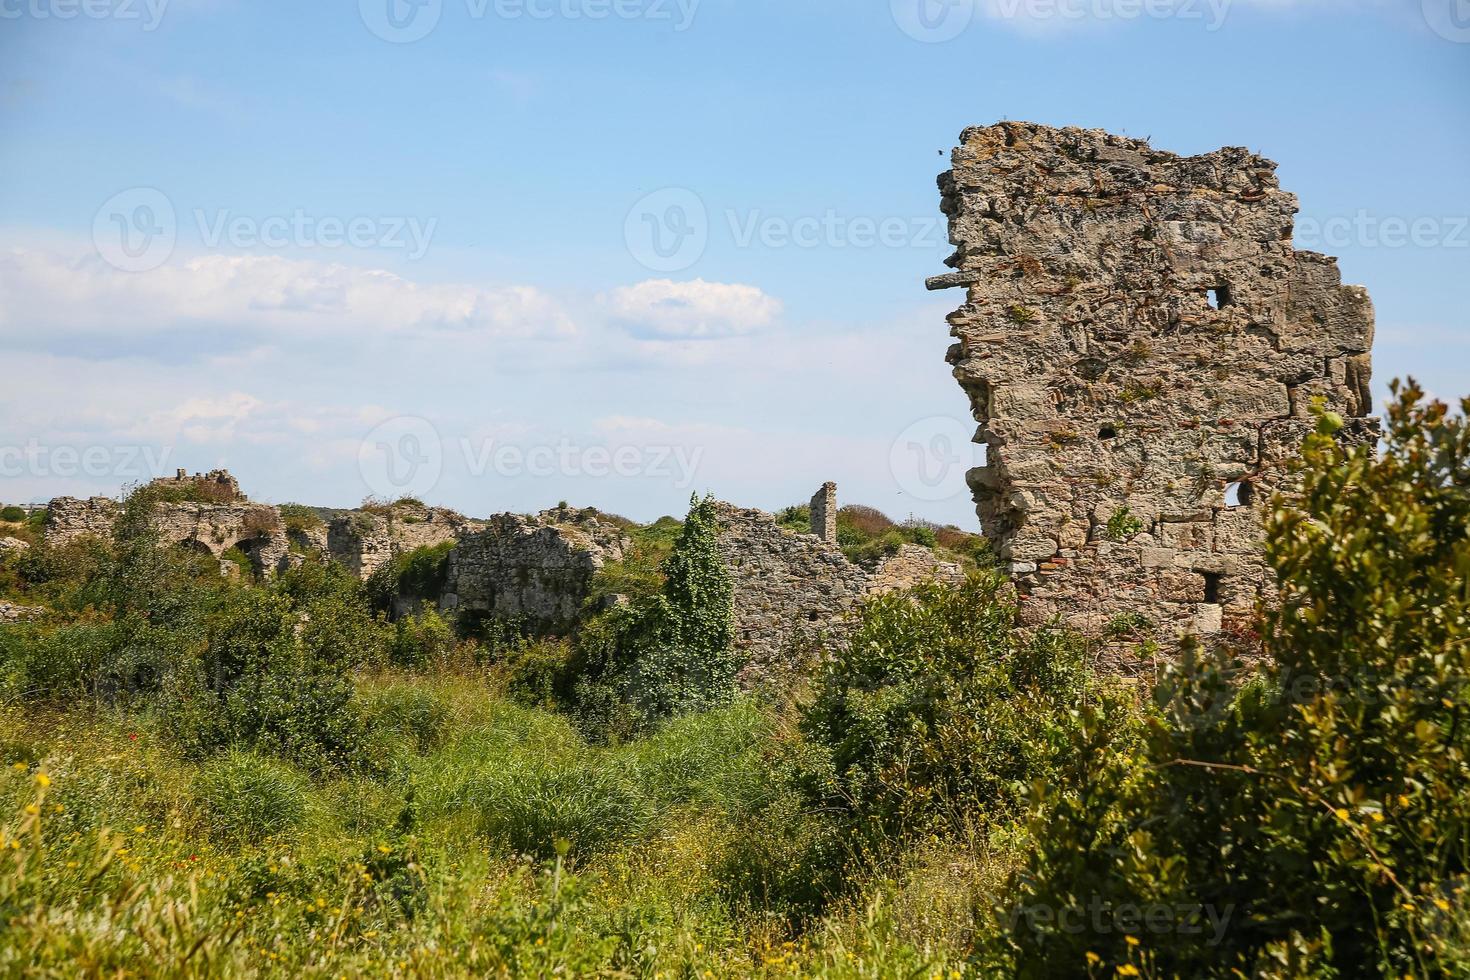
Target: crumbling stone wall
(824,513)
(1141,345)
(791,587)
(68,518)
(534,571)
(786,585)
(214,528)
(364,541)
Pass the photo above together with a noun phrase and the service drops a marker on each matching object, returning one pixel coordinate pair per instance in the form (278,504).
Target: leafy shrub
(248,798)
(421,640)
(1316,818)
(539,673)
(411,578)
(669,653)
(529,803)
(13,515)
(1122,525)
(299,517)
(939,705)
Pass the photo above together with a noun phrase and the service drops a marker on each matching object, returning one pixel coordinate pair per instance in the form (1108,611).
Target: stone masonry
(1141,345)
(254,529)
(533,571)
(365,540)
(791,587)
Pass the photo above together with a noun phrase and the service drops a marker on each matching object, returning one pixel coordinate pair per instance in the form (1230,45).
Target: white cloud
(46,293)
(662,308)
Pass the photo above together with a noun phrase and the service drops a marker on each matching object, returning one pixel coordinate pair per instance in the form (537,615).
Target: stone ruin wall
(534,571)
(1141,345)
(365,541)
(791,588)
(213,528)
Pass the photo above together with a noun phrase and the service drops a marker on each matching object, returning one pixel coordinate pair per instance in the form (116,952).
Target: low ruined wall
(788,586)
(68,518)
(912,565)
(364,541)
(535,571)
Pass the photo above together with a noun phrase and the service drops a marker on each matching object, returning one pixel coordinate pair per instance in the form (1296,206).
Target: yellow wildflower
(43,780)
(1093,959)
(32,809)
(1127,970)
(1131,940)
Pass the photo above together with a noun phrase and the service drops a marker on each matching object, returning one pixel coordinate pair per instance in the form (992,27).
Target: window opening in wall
(1212,588)
(1239,494)
(1220,297)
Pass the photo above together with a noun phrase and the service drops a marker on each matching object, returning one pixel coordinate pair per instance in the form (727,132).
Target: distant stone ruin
(535,572)
(1141,345)
(790,588)
(217,486)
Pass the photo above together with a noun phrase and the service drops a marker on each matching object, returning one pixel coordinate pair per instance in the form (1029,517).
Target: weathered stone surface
(536,571)
(824,513)
(788,586)
(1139,333)
(364,541)
(68,518)
(12,544)
(913,564)
(12,613)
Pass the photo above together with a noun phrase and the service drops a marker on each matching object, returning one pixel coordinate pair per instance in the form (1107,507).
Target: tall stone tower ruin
(1141,345)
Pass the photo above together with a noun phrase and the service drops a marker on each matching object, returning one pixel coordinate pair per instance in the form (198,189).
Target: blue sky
(350,248)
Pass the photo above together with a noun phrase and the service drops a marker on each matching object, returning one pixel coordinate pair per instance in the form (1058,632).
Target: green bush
(530,803)
(939,707)
(669,653)
(248,798)
(421,640)
(1313,822)
(13,515)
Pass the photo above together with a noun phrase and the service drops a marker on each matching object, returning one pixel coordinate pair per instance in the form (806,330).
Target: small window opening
(1220,297)
(1239,495)
(1107,432)
(1212,588)
(813,616)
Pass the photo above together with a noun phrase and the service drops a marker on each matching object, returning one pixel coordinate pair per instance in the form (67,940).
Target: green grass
(446,863)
